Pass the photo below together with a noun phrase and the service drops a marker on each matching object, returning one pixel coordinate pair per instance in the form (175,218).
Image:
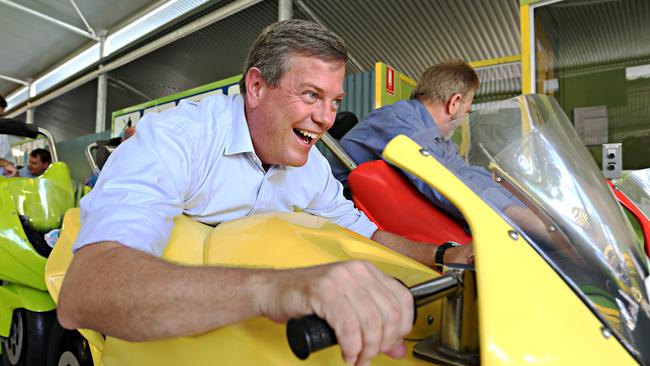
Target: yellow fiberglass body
(527,314)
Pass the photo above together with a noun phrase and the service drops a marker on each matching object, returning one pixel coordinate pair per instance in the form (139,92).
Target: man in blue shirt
(38,162)
(443,95)
(221,159)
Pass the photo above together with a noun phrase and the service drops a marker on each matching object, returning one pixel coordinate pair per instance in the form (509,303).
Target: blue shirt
(25,173)
(367,140)
(198,160)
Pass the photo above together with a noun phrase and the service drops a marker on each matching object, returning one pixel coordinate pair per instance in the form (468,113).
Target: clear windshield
(564,206)
(636,186)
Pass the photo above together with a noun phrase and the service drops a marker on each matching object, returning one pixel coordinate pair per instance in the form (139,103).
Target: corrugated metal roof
(499,82)
(412,35)
(210,54)
(30,45)
(593,33)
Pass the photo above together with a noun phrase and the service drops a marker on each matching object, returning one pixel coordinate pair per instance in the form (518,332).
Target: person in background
(39,161)
(443,94)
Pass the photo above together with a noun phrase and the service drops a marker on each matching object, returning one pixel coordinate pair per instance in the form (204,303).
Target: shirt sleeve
(140,189)
(330,203)
(5,149)
(476,178)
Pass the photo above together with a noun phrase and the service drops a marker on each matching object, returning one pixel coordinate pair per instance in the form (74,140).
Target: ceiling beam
(50,19)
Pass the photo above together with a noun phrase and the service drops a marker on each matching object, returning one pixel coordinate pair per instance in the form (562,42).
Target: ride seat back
(392,202)
(44,200)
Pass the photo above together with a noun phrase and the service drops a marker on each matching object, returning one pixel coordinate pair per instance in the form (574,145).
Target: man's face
(465,106)
(36,166)
(459,106)
(285,121)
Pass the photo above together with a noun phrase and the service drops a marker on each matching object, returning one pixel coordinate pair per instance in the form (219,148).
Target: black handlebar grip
(309,334)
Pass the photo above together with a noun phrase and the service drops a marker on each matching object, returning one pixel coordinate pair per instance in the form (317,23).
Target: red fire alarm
(390,80)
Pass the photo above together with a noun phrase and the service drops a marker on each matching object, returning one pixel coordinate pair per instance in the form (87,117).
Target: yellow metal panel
(495,61)
(189,236)
(55,270)
(527,313)
(524,19)
(407,79)
(255,342)
(378,78)
(274,241)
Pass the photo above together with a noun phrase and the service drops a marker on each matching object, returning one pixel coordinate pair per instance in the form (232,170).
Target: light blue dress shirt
(5,148)
(25,173)
(367,140)
(198,160)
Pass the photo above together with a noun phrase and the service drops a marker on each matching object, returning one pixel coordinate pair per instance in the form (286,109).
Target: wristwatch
(440,252)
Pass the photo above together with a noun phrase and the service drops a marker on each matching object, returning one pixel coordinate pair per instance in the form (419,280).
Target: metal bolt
(552,229)
(513,234)
(429,319)
(606,332)
(425,152)
(498,179)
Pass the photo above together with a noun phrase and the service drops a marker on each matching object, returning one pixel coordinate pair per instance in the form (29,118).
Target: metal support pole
(29,114)
(305,9)
(102,88)
(102,82)
(285,9)
(100,121)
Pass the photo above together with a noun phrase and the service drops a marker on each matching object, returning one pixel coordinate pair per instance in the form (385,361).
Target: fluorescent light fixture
(121,38)
(67,69)
(637,72)
(17,97)
(149,22)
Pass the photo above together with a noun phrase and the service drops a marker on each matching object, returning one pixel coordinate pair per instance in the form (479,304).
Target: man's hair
(439,82)
(42,154)
(270,52)
(3,102)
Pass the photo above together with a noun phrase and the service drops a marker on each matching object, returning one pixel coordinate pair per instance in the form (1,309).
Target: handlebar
(311,333)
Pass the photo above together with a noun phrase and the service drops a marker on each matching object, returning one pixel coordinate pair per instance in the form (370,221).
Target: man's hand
(10,170)
(369,311)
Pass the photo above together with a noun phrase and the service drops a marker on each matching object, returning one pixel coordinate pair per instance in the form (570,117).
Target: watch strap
(440,251)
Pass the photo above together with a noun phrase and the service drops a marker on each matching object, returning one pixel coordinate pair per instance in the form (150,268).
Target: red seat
(636,213)
(392,202)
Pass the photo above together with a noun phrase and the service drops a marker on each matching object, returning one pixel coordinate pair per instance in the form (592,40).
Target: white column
(100,118)
(29,114)
(285,9)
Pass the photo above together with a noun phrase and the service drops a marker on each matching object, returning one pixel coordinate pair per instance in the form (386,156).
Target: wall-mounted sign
(390,80)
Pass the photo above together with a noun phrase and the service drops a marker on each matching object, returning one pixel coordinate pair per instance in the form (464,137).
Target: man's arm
(423,252)
(132,295)
(10,169)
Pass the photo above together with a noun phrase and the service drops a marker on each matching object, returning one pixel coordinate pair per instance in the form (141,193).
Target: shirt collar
(429,122)
(240,139)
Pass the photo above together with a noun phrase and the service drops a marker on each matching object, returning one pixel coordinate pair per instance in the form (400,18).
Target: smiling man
(225,158)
